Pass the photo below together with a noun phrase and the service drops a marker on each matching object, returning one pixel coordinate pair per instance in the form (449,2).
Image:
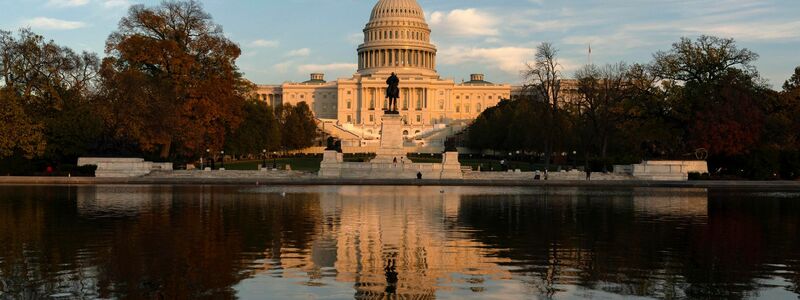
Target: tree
(172,79)
(299,128)
(713,94)
(18,133)
(259,131)
(48,89)
(704,60)
(543,78)
(603,94)
(792,83)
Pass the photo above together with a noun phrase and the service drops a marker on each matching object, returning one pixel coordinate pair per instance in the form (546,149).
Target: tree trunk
(165,149)
(547,150)
(603,153)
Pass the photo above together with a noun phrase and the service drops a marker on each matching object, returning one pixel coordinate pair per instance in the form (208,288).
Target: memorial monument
(391,161)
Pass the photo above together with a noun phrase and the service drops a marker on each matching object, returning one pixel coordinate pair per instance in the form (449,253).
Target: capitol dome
(397,39)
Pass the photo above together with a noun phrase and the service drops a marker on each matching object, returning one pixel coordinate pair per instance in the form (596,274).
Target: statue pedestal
(451,167)
(391,147)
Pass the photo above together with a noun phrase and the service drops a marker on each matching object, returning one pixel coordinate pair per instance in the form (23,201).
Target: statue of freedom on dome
(392,93)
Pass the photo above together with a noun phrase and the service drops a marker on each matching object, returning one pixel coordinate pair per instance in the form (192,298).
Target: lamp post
(208,158)
(574,159)
(222,160)
(274,160)
(264,158)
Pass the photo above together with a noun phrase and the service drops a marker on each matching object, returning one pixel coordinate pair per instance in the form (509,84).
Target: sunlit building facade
(396,39)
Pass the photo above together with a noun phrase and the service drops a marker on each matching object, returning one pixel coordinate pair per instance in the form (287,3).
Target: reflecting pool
(220,242)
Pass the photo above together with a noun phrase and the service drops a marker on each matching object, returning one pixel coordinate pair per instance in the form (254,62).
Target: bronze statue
(392,92)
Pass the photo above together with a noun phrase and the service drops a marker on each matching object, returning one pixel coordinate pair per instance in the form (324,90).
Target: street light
(222,160)
(274,160)
(264,158)
(208,158)
(574,159)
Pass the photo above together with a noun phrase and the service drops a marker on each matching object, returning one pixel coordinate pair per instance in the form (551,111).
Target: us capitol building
(396,39)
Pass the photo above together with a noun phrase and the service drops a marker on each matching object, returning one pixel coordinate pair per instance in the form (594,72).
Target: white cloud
(53,24)
(309,68)
(115,3)
(67,3)
(464,22)
(283,67)
(261,43)
(355,38)
(508,59)
(299,52)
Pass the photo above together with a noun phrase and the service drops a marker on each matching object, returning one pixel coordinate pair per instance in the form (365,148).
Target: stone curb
(781,185)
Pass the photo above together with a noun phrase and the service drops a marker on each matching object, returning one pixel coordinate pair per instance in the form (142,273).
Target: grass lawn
(310,164)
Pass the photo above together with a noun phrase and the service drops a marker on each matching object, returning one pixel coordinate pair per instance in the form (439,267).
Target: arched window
(405,132)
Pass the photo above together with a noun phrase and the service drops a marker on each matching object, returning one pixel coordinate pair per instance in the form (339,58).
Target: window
(490,97)
(348,104)
(466,108)
(371,118)
(302,96)
(467,97)
(478,108)
(458,108)
(405,132)
(419,119)
(349,92)
(441,104)
(458,97)
(349,119)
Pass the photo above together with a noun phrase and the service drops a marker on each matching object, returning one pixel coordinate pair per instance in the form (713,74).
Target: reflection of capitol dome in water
(393,246)
(397,38)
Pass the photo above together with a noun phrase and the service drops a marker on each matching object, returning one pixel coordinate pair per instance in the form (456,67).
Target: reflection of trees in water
(630,245)
(175,243)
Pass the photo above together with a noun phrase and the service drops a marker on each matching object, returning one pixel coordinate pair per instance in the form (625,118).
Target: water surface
(179,242)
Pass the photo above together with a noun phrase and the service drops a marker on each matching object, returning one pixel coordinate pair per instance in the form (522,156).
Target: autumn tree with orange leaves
(171,81)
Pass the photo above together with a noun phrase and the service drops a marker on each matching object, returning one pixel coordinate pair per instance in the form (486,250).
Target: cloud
(355,38)
(261,43)
(464,22)
(508,59)
(44,23)
(283,67)
(308,68)
(115,3)
(299,52)
(67,3)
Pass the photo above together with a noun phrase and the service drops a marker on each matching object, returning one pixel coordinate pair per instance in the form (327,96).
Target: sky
(285,40)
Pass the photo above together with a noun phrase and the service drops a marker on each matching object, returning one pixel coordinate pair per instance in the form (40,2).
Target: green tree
(259,131)
(299,128)
(792,83)
(52,88)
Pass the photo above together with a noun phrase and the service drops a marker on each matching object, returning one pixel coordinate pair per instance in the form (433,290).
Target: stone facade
(111,167)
